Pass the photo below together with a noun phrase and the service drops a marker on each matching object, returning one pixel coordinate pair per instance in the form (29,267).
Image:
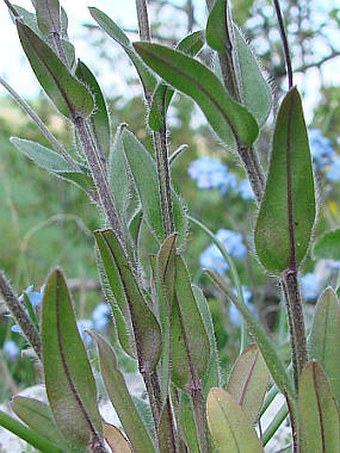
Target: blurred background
(45,222)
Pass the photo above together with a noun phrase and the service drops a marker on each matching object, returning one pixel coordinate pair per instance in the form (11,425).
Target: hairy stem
(20,315)
(296,323)
(99,177)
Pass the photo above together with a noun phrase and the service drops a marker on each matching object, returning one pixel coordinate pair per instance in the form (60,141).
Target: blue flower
(321,148)
(210,173)
(310,286)
(10,349)
(85,324)
(100,316)
(244,190)
(234,315)
(334,171)
(212,258)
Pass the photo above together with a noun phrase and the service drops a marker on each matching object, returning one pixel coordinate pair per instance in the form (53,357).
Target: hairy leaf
(117,34)
(69,95)
(320,424)
(146,327)
(163,93)
(38,416)
(287,213)
(53,162)
(148,189)
(190,346)
(121,398)
(48,16)
(248,381)
(99,119)
(229,425)
(70,385)
(230,120)
(324,340)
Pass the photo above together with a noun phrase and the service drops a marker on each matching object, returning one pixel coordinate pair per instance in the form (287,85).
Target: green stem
(275,424)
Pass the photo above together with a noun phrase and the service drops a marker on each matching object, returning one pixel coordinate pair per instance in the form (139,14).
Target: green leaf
(287,213)
(48,16)
(163,93)
(148,189)
(69,95)
(230,121)
(115,439)
(70,385)
(190,346)
(120,179)
(165,284)
(327,246)
(146,327)
(229,425)
(38,417)
(30,19)
(99,119)
(187,423)
(212,378)
(248,381)
(320,425)
(117,34)
(273,362)
(324,340)
(32,437)
(256,92)
(52,162)
(121,398)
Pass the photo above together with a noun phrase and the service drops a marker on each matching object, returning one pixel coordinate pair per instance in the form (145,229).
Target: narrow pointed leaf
(230,120)
(70,385)
(248,381)
(327,246)
(70,96)
(216,29)
(148,189)
(190,346)
(99,119)
(146,327)
(165,283)
(121,181)
(115,439)
(188,425)
(320,424)
(30,19)
(38,416)
(163,93)
(52,162)
(48,16)
(324,340)
(118,35)
(256,92)
(229,426)
(27,434)
(287,213)
(212,378)
(121,398)
(112,287)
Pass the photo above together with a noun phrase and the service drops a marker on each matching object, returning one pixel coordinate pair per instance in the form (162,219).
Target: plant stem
(20,315)
(99,177)
(296,323)
(285,44)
